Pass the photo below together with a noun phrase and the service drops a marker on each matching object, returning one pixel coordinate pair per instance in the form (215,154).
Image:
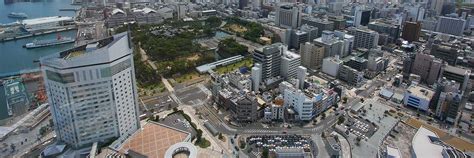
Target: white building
(289,63)
(288,16)
(364,38)
(418,97)
(256,76)
(331,66)
(348,42)
(426,143)
(452,26)
(45,23)
(302,104)
(92,91)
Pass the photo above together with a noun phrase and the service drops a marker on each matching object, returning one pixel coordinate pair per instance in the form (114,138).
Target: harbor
(36,27)
(38,34)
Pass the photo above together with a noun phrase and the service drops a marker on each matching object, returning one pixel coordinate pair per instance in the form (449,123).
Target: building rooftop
(290,55)
(100,51)
(456,70)
(424,146)
(393,152)
(153,140)
(46,20)
(421,92)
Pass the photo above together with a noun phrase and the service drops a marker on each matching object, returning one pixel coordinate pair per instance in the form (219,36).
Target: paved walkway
(318,140)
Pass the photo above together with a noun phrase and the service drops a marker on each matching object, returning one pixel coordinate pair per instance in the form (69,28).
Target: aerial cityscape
(237,79)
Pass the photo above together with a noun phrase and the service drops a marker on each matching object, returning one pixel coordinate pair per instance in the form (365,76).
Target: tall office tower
(297,37)
(411,31)
(92,91)
(452,26)
(408,60)
(312,56)
(446,52)
(361,16)
(311,30)
(243,4)
(269,57)
(256,4)
(414,12)
(448,8)
(460,75)
(348,42)
(321,24)
(364,38)
(339,22)
(181,9)
(427,67)
(392,30)
(289,64)
(446,100)
(332,45)
(256,76)
(336,6)
(437,6)
(301,75)
(288,16)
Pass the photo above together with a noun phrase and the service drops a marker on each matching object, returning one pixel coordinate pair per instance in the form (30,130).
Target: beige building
(312,56)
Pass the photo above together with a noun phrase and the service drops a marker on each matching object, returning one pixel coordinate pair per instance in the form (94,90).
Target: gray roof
(53,150)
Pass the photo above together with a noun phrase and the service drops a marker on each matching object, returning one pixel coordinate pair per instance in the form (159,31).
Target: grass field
(236,28)
(231,67)
(445,137)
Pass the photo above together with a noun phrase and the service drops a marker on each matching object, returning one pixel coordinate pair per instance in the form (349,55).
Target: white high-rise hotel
(91,91)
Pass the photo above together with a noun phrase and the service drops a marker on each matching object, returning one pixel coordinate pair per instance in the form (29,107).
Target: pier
(38,34)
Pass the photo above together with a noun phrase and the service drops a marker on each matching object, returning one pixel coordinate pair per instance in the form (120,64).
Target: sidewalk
(318,140)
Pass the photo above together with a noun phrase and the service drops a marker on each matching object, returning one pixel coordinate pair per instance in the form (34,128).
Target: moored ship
(18,15)
(50,42)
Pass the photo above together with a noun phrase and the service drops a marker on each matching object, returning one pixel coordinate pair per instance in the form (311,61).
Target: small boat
(18,15)
(51,42)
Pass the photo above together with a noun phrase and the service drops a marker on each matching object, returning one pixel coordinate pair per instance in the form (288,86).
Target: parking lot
(360,127)
(277,141)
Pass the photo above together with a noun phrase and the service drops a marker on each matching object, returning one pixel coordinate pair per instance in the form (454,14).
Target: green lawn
(228,68)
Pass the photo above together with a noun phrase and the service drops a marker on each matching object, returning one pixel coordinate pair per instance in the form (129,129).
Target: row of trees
(170,53)
(254,30)
(229,47)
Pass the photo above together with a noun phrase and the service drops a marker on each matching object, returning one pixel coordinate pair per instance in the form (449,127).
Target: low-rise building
(418,97)
(350,76)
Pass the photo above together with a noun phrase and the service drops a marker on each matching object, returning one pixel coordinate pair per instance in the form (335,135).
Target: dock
(38,34)
(69,9)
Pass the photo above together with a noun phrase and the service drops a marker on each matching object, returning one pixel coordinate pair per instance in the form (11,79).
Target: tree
(265,153)
(344,100)
(323,115)
(221,137)
(175,109)
(230,47)
(340,120)
(370,106)
(242,144)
